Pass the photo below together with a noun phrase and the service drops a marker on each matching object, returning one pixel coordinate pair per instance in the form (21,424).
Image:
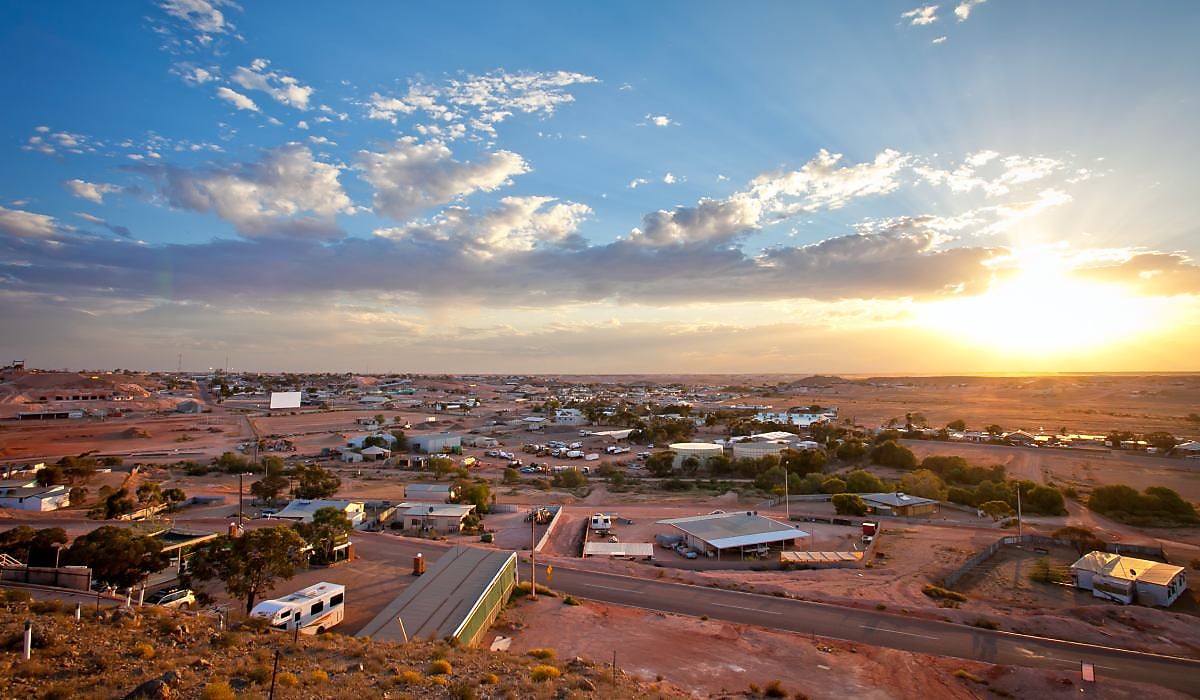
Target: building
(900,504)
(1128,580)
(1020,437)
(435,443)
(441,518)
(619,550)
(700,450)
(26,494)
(189,406)
(375,453)
(459,596)
(744,532)
(361,440)
(480,441)
(349,456)
(302,511)
(756,449)
(569,416)
(436,493)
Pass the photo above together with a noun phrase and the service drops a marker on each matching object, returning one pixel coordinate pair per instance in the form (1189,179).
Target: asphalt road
(878,628)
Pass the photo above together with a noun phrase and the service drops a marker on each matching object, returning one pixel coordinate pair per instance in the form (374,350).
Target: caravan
(319,607)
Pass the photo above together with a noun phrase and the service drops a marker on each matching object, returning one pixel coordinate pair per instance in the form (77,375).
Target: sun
(1037,308)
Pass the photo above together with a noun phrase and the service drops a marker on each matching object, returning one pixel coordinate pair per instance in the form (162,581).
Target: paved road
(878,628)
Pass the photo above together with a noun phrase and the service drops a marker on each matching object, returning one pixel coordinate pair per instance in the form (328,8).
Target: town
(402,508)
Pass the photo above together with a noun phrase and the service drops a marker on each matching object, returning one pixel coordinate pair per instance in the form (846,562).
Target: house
(23,494)
(900,504)
(569,416)
(361,440)
(1127,580)
(1020,437)
(443,493)
(435,443)
(188,406)
(302,511)
(351,457)
(375,453)
(442,518)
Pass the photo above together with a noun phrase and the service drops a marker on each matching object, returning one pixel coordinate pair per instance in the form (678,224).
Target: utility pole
(241,515)
(1020,532)
(533,553)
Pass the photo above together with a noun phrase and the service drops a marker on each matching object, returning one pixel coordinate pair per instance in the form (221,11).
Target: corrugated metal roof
(1125,568)
(725,530)
(618,549)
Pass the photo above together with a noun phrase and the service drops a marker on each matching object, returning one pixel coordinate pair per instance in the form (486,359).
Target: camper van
(321,607)
(601,524)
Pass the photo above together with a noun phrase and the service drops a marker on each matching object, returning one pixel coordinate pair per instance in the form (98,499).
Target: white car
(182,598)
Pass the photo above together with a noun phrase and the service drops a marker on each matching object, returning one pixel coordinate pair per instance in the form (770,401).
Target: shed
(743,532)
(435,443)
(900,504)
(441,493)
(444,518)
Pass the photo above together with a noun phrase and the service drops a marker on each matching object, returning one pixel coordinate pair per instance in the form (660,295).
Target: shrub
(226,640)
(489,679)
(316,677)
(849,504)
(219,690)
(43,607)
(1043,572)
(58,692)
(259,674)
(571,600)
(33,668)
(463,691)
(439,667)
(939,593)
(16,596)
(542,673)
(775,689)
(287,680)
(984,623)
(545,654)
(967,676)
(409,677)
(143,650)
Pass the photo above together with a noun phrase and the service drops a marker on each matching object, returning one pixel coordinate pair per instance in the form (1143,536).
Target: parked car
(181,598)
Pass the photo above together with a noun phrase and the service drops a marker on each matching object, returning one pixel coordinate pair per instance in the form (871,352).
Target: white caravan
(321,606)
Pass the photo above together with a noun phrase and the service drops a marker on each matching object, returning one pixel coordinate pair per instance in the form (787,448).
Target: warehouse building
(741,533)
(700,450)
(1129,580)
(436,443)
(439,493)
(459,596)
(442,518)
(899,504)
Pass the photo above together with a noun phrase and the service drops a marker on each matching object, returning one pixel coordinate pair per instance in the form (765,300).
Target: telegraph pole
(533,553)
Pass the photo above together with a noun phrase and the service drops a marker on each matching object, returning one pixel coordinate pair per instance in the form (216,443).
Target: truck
(574,454)
(316,609)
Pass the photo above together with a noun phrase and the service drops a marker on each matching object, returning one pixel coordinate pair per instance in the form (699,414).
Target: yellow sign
(549,572)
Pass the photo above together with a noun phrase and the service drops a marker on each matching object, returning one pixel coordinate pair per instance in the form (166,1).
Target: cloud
(91,191)
(939,40)
(824,183)
(920,16)
(411,176)
(660,120)
(963,10)
(236,99)
(1149,274)
(202,18)
(670,179)
(282,88)
(195,75)
(711,221)
(637,182)
(519,224)
(122,231)
(286,193)
(52,143)
(17,222)
(1002,173)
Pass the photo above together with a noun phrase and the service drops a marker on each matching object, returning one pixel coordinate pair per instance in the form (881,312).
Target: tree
(149,493)
(34,547)
(441,466)
(810,483)
(617,480)
(957,424)
(117,556)
(802,461)
(833,485)
(1084,539)
(1044,500)
(50,476)
(312,481)
(923,483)
(379,419)
(268,488)
(1115,497)
(770,479)
(860,481)
(569,479)
(719,465)
(113,504)
(329,528)
(891,454)
(401,444)
(253,563)
(478,494)
(661,464)
(851,450)
(849,504)
(1165,442)
(994,430)
(232,463)
(511,476)
(174,495)
(375,441)
(690,465)
(996,509)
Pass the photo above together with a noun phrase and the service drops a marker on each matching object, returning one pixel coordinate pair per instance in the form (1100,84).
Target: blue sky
(464,187)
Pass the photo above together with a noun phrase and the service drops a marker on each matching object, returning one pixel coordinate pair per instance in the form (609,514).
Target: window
(317,607)
(336,600)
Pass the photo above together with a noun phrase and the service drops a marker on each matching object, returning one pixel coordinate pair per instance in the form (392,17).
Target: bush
(409,677)
(984,623)
(439,667)
(571,600)
(775,689)
(287,680)
(849,504)
(968,676)
(316,677)
(890,454)
(489,679)
(219,690)
(226,640)
(143,650)
(259,674)
(939,593)
(1043,572)
(487,538)
(542,673)
(43,607)
(17,596)
(545,654)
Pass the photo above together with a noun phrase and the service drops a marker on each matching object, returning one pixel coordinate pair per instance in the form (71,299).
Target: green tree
(849,504)
(802,461)
(833,485)
(401,444)
(1115,498)
(511,476)
(811,483)
(1044,500)
(34,547)
(994,430)
(860,481)
(957,494)
(690,465)
(617,481)
(375,441)
(253,563)
(719,465)
(51,475)
(770,479)
(231,463)
(478,494)
(891,454)
(149,493)
(957,425)
(661,464)
(441,466)
(1082,538)
(923,483)
(268,488)
(329,528)
(117,556)
(569,479)
(313,481)
(1165,442)
(174,495)
(851,450)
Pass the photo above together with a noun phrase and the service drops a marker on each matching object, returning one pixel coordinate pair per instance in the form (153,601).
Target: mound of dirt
(132,433)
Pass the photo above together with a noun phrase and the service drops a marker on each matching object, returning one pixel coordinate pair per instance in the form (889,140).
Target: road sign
(549,572)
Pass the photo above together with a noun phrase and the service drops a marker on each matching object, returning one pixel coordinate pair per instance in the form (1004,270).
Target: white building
(1128,580)
(445,518)
(435,443)
(569,416)
(20,494)
(302,511)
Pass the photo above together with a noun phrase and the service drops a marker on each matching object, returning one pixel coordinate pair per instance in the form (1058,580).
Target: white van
(321,607)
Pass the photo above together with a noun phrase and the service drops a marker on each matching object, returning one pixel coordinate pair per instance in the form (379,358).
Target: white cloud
(660,120)
(121,231)
(18,222)
(203,16)
(91,191)
(939,40)
(195,75)
(52,142)
(287,193)
(710,222)
(823,183)
(963,10)
(410,176)
(321,140)
(519,224)
(302,125)
(282,88)
(638,182)
(991,173)
(670,179)
(920,16)
(236,99)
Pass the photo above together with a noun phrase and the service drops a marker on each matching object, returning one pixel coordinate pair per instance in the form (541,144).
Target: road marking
(611,588)
(1076,662)
(906,634)
(742,607)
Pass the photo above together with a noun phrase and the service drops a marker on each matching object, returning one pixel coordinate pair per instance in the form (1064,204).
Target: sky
(619,187)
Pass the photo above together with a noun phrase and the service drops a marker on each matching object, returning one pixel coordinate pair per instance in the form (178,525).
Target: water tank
(700,450)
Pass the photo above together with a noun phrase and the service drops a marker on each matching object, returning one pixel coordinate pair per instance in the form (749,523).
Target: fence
(549,528)
(503,508)
(75,578)
(1042,541)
